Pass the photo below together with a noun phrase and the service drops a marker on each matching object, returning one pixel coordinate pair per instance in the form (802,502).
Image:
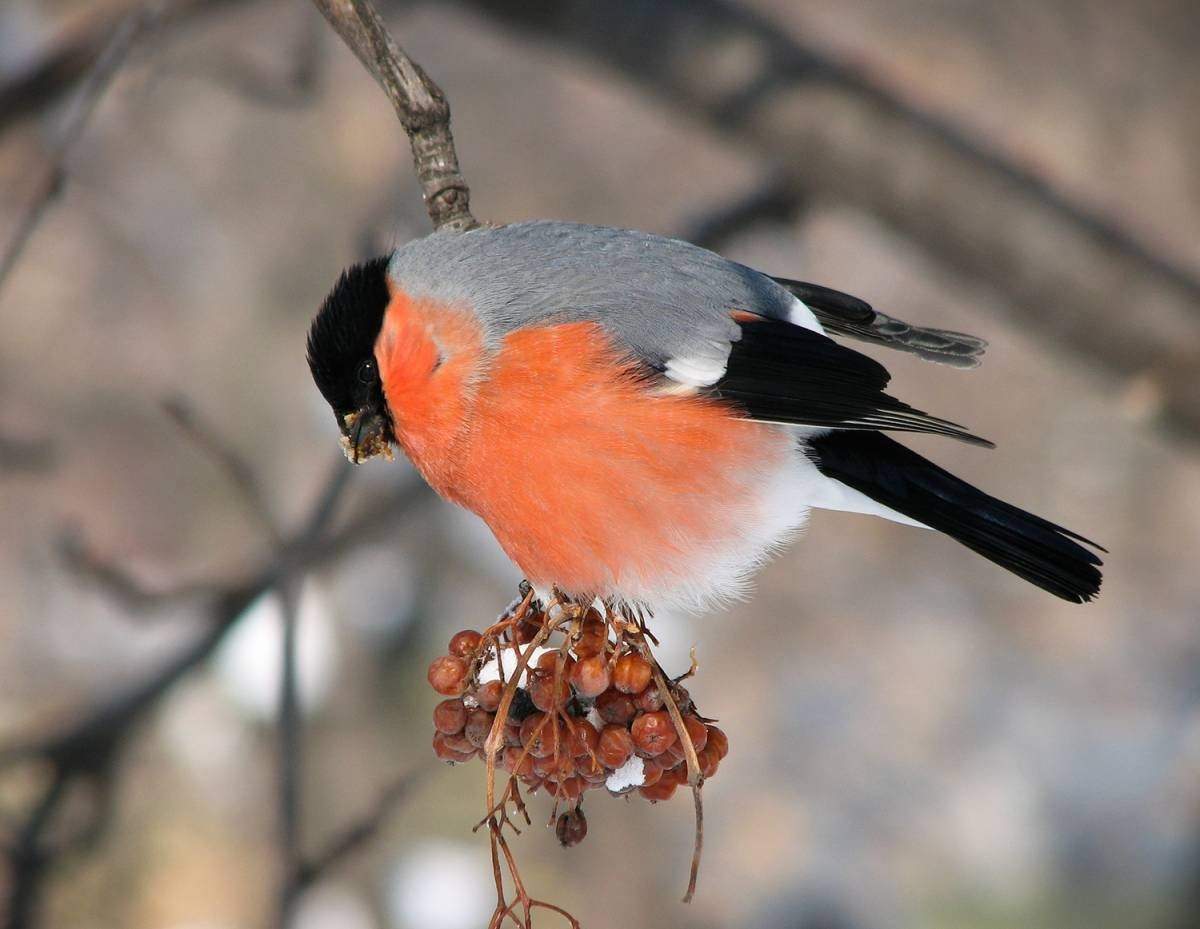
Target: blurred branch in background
(81,755)
(1070,274)
(45,189)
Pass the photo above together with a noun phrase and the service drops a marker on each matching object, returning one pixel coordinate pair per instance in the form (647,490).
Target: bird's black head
(341,356)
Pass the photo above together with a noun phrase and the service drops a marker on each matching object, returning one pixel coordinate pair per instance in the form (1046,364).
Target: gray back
(661,297)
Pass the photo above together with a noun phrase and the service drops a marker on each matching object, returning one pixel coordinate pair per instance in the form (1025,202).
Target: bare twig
(25,455)
(236,468)
(357,834)
(73,55)
(775,201)
(48,186)
(290,759)
(418,102)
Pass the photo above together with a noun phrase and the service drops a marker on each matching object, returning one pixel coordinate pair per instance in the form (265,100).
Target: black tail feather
(1029,546)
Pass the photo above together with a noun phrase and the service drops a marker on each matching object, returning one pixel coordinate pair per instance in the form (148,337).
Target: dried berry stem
(695,778)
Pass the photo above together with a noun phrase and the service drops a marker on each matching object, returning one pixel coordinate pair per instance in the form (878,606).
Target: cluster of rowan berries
(585,715)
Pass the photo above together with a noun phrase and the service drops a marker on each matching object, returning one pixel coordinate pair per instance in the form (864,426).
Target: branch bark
(418,102)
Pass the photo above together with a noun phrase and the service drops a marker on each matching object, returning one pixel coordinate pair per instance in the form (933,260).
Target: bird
(641,420)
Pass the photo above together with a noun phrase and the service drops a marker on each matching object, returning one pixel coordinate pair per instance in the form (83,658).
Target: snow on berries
(585,711)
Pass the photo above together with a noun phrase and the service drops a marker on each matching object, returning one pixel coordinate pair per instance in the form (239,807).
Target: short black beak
(365,434)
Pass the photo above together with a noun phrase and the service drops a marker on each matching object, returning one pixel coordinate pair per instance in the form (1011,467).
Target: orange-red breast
(638,418)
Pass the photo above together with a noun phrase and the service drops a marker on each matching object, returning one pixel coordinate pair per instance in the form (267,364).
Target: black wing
(842,314)
(781,373)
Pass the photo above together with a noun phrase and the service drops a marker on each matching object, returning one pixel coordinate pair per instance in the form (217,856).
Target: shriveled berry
(449,717)
(583,738)
(663,790)
(478,727)
(488,695)
(650,699)
(448,675)
(546,694)
(590,677)
(682,698)
(464,644)
(546,767)
(719,740)
(512,733)
(653,733)
(709,759)
(697,731)
(615,746)
(571,828)
(631,674)
(446,753)
(615,707)
(593,635)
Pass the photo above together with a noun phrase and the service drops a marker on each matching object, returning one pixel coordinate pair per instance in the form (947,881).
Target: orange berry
(615,707)
(672,756)
(677,775)
(512,733)
(590,769)
(590,677)
(545,742)
(652,772)
(449,717)
(583,738)
(446,753)
(458,742)
(513,763)
(709,759)
(615,746)
(663,790)
(697,731)
(465,644)
(631,674)
(488,695)
(653,733)
(649,700)
(545,694)
(569,789)
(548,661)
(719,740)
(448,675)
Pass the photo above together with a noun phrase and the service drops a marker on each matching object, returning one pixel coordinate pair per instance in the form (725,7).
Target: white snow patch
(491,672)
(630,774)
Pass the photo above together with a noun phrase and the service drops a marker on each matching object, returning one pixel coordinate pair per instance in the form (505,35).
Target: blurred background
(918,739)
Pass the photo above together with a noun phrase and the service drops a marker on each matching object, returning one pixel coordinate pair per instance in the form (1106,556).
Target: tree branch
(418,102)
(48,186)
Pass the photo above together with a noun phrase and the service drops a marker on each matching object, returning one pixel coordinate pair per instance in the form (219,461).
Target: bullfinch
(642,420)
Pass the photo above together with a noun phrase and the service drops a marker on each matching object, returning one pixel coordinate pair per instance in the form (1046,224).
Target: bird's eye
(366,372)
